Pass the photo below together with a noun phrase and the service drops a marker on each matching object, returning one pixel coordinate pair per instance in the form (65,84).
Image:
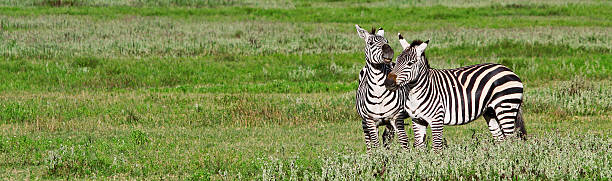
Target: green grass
(278,73)
(288,4)
(224,90)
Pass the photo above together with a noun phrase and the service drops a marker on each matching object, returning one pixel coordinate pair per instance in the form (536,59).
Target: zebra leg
(419,127)
(520,125)
(401,133)
(494,128)
(388,135)
(506,115)
(366,133)
(437,127)
(371,131)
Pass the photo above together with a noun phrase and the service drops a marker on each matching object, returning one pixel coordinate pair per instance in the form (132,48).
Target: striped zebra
(458,96)
(375,104)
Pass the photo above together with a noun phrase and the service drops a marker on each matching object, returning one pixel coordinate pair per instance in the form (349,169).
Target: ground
(223,90)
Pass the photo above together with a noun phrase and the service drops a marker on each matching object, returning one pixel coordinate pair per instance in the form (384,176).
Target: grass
(533,159)
(224,90)
(287,4)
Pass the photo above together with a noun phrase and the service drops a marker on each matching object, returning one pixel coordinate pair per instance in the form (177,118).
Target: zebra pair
(439,97)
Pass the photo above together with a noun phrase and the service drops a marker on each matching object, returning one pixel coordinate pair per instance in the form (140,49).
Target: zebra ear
(381,32)
(421,48)
(403,41)
(361,32)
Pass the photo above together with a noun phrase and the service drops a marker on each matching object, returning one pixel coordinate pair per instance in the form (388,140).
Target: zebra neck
(379,67)
(376,74)
(424,84)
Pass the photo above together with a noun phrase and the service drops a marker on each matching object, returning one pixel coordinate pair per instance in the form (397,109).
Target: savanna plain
(225,90)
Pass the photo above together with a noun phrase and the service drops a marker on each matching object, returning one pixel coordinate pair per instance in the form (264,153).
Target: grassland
(223,90)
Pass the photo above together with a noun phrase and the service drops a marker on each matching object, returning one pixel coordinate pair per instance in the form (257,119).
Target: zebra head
(377,49)
(410,65)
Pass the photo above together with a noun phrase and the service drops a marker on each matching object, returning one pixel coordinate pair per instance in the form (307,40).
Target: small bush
(139,137)
(85,62)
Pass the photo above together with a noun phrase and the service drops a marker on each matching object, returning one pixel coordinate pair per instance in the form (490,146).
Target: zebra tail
(520,124)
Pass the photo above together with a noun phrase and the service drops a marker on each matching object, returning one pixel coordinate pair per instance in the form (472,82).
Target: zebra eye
(371,43)
(410,63)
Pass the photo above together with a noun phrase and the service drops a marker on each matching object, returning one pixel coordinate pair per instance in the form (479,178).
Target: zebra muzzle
(387,53)
(390,82)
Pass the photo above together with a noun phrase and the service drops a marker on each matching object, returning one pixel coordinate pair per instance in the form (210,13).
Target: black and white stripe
(375,104)
(458,96)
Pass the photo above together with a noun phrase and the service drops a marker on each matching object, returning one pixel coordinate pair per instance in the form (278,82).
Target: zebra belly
(379,111)
(458,121)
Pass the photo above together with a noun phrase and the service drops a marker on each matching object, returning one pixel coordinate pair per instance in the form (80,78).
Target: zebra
(374,103)
(458,96)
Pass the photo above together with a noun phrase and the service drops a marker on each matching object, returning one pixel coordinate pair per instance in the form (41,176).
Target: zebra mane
(416,43)
(373,30)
